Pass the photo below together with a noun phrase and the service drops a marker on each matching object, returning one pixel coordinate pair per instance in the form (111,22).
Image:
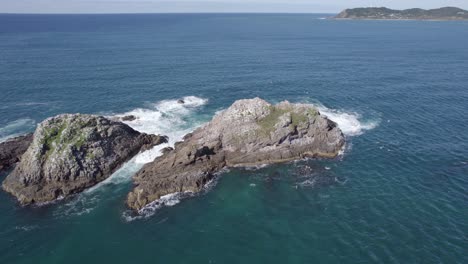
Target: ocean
(397,89)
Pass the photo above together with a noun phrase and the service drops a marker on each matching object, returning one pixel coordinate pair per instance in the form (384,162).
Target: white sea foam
(149,210)
(16,128)
(83,203)
(31,103)
(168,118)
(122,175)
(173,119)
(26,227)
(307,183)
(351,123)
(256,167)
(169,200)
(165,200)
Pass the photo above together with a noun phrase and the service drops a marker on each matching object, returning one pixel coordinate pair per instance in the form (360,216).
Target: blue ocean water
(399,90)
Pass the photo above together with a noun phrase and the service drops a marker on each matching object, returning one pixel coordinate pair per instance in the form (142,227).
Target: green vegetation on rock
(90,155)
(80,142)
(72,152)
(298,116)
(268,123)
(251,132)
(51,137)
(58,136)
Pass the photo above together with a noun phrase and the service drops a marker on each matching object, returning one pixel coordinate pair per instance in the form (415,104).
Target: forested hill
(444,13)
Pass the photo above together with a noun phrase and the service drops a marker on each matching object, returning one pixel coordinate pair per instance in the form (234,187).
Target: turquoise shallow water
(398,88)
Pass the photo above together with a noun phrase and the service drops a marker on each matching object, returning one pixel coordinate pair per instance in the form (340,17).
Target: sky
(197,6)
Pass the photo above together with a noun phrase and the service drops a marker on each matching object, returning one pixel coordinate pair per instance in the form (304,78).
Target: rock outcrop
(128,118)
(249,133)
(72,152)
(12,149)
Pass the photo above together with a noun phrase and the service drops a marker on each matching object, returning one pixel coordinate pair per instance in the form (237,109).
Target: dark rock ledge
(12,150)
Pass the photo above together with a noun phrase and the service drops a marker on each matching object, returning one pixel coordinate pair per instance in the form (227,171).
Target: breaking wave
(175,119)
(351,123)
(149,210)
(168,117)
(168,200)
(16,128)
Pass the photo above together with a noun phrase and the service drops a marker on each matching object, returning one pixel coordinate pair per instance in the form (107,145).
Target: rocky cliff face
(12,149)
(72,152)
(248,133)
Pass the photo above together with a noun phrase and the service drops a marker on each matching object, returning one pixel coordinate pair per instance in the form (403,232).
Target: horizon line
(173,13)
(211,12)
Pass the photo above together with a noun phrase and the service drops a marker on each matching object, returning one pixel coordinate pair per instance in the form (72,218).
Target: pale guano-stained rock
(250,132)
(72,152)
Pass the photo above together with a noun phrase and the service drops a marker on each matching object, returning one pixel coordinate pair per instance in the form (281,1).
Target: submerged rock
(128,118)
(250,132)
(72,152)
(12,149)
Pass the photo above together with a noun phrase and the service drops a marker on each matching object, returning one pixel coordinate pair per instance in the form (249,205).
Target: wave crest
(351,123)
(167,117)
(16,128)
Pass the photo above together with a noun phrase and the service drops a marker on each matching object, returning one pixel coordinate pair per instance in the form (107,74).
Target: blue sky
(165,6)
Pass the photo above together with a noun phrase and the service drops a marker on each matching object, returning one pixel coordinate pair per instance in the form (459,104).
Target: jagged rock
(180,101)
(123,118)
(72,152)
(128,118)
(249,133)
(166,150)
(12,149)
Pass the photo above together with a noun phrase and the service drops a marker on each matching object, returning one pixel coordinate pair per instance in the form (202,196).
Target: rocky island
(445,13)
(69,153)
(250,132)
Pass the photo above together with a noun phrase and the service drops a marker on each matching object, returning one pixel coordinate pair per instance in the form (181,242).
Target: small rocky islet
(71,152)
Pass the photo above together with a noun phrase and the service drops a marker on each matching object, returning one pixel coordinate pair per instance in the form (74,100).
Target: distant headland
(444,13)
